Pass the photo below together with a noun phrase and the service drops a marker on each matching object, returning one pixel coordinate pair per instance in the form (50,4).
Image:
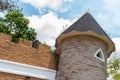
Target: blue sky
(49,16)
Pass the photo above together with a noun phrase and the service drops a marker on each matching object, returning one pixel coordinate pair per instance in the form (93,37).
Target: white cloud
(2,14)
(53,4)
(113,8)
(117,44)
(115,54)
(67,0)
(65,9)
(105,23)
(112,5)
(109,18)
(48,26)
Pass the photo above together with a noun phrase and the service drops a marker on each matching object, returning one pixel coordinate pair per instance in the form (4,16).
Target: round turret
(83,49)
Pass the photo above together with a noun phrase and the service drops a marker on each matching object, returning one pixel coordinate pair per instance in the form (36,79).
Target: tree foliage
(113,69)
(9,5)
(16,24)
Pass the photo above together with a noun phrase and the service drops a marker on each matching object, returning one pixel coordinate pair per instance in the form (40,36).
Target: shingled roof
(85,23)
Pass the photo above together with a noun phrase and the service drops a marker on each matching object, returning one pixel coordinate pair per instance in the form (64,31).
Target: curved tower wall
(78,61)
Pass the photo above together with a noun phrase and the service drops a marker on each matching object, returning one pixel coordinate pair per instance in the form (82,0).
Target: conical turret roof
(85,23)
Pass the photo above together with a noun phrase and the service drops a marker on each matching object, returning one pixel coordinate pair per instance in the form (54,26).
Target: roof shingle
(85,23)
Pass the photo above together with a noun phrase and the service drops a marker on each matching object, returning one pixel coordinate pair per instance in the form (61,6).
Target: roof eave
(109,42)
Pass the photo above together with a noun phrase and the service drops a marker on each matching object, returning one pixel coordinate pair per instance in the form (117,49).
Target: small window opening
(99,55)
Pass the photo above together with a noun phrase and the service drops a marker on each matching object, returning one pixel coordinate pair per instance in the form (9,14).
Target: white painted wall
(27,70)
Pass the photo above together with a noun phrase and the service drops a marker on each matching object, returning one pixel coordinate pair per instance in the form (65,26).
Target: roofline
(84,23)
(106,39)
(26,70)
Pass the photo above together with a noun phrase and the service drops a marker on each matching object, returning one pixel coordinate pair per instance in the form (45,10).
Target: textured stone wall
(77,61)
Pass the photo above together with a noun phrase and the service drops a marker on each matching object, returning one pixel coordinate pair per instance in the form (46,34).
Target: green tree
(30,34)
(113,68)
(3,28)
(16,24)
(9,5)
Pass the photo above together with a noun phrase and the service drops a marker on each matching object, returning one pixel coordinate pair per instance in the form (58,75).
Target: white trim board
(26,70)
